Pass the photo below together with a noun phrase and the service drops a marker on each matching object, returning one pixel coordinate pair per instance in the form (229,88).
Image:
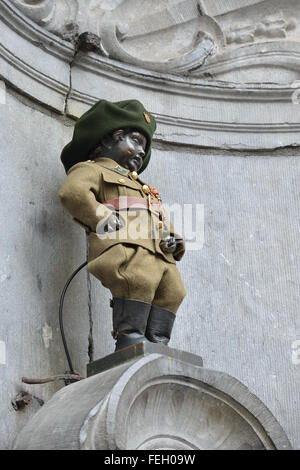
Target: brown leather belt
(125,202)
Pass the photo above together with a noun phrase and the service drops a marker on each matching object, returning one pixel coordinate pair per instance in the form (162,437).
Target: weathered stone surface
(241,310)
(39,248)
(184,36)
(33,60)
(189,110)
(155,402)
(193,111)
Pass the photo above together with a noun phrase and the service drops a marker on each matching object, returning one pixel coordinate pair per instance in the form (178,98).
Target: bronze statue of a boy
(132,247)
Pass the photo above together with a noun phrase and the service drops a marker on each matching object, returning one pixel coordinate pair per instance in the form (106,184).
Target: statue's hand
(113,224)
(168,245)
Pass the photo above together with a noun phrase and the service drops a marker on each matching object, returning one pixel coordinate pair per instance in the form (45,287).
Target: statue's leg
(132,274)
(132,301)
(129,272)
(168,297)
(130,319)
(160,325)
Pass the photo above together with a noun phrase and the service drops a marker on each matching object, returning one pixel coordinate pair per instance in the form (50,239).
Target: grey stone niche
(149,397)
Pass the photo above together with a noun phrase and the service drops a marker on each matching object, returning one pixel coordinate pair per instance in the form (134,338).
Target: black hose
(61,304)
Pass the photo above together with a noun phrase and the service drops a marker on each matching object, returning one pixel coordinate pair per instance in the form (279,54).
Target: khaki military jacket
(90,184)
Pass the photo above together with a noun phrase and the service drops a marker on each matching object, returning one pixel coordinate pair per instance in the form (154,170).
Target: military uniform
(129,262)
(144,281)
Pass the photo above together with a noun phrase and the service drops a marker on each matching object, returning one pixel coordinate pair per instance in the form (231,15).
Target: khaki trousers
(133,272)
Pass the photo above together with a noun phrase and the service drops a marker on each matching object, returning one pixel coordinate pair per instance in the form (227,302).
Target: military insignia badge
(120,170)
(147,117)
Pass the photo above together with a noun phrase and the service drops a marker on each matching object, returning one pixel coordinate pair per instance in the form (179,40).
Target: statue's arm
(172,242)
(78,195)
(179,243)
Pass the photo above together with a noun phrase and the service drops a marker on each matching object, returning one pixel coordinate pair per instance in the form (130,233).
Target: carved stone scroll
(159,399)
(171,36)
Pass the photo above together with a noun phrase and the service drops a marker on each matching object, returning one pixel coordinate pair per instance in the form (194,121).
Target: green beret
(102,119)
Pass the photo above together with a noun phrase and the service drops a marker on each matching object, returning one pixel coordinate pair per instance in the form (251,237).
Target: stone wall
(39,250)
(232,148)
(240,312)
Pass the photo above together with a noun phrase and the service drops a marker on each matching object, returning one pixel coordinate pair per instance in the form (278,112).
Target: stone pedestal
(148,397)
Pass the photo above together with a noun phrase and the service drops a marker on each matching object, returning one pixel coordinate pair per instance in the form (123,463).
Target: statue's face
(129,150)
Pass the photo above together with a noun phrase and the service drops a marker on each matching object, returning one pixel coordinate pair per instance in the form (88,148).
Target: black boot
(160,324)
(129,321)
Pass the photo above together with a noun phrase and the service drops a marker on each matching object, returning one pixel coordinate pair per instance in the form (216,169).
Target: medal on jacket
(154,192)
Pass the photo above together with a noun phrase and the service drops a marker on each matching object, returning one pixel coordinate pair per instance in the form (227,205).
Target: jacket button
(121,180)
(146,189)
(134,175)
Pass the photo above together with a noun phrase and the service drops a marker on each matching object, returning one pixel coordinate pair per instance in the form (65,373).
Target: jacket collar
(112,165)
